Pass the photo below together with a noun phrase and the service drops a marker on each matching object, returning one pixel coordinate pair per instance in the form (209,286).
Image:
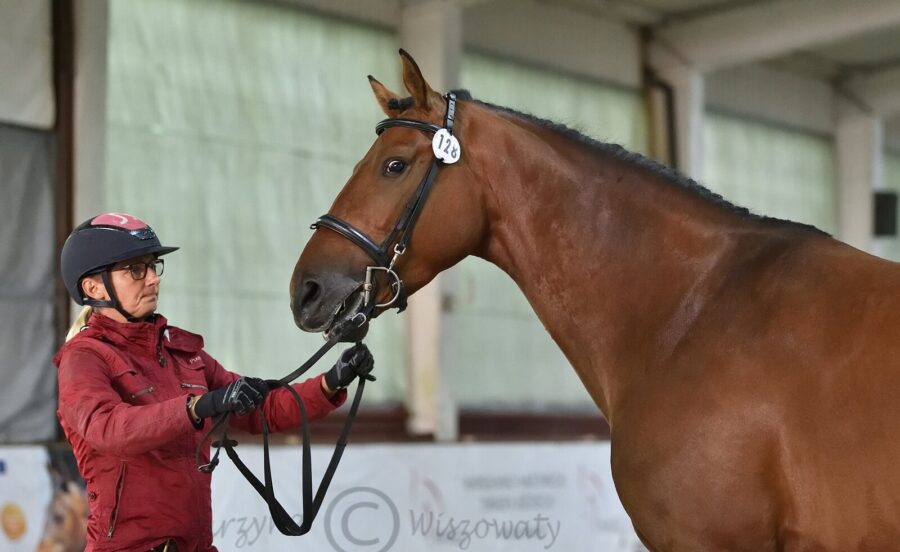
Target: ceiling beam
(879,92)
(765,30)
(385,13)
(565,40)
(619,10)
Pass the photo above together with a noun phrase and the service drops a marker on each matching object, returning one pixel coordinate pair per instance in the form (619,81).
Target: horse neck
(616,262)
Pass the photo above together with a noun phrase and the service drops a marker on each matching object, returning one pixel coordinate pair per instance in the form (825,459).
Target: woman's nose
(152,277)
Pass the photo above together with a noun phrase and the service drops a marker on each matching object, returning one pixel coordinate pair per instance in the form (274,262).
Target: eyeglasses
(139,270)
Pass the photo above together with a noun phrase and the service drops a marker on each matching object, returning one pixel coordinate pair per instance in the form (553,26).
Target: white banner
(469,497)
(25,489)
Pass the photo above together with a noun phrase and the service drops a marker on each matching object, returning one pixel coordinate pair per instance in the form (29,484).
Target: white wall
(800,102)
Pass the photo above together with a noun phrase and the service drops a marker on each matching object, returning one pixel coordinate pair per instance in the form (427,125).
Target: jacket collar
(139,335)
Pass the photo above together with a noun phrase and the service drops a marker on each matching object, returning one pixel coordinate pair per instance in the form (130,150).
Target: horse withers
(749,367)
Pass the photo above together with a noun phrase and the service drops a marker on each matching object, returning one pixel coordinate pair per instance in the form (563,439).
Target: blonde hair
(80,322)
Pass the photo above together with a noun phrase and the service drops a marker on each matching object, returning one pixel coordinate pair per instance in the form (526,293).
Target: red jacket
(123,389)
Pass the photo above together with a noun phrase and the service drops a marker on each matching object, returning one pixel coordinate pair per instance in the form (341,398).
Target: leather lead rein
(280,517)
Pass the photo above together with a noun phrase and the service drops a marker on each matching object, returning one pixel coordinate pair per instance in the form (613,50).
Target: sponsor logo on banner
(367,518)
(362,518)
(12,520)
(25,490)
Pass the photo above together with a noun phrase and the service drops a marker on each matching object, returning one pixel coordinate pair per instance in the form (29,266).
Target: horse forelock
(462,94)
(403,104)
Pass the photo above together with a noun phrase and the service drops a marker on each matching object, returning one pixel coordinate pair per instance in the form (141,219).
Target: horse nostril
(311,292)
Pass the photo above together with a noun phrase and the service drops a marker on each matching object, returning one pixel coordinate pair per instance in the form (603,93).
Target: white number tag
(446,146)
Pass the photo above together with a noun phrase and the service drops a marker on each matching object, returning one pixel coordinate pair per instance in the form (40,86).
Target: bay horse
(749,368)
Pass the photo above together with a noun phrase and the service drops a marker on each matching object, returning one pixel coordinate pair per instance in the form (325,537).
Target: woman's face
(137,297)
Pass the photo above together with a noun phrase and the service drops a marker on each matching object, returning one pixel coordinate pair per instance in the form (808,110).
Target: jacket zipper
(120,484)
(193,385)
(143,392)
(159,344)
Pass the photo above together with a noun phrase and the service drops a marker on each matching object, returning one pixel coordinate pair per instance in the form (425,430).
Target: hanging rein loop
(311,505)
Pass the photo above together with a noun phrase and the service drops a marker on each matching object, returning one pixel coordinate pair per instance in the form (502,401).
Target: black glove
(355,361)
(241,396)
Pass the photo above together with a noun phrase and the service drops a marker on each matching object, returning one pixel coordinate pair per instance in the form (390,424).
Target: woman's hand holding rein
(241,396)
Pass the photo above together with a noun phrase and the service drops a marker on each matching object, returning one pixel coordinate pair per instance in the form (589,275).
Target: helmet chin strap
(113,301)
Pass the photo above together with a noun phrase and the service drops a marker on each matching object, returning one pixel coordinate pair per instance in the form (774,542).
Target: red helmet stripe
(120,220)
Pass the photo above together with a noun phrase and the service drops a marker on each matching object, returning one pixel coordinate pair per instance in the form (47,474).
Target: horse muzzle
(321,302)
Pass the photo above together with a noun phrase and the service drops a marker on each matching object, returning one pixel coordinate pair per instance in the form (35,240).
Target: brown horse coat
(749,368)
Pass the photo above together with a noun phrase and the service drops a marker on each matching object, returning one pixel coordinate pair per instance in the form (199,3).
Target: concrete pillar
(688,91)
(688,102)
(858,154)
(656,106)
(431,32)
(89,140)
(91,24)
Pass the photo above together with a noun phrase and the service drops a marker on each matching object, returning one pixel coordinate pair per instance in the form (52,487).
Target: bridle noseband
(446,150)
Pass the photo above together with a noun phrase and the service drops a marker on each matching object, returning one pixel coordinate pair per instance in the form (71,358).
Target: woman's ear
(93,287)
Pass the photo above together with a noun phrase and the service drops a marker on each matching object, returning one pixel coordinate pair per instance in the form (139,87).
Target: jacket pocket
(114,514)
(192,373)
(132,387)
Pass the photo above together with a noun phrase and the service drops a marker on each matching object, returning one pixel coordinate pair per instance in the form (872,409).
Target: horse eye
(394,167)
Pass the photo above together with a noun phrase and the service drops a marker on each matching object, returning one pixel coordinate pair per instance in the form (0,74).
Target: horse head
(391,192)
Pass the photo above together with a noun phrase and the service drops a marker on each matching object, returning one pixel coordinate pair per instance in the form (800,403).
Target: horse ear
(389,101)
(415,83)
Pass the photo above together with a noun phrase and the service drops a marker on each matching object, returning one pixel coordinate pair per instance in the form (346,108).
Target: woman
(135,393)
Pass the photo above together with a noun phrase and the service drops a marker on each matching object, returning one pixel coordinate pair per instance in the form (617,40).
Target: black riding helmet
(100,242)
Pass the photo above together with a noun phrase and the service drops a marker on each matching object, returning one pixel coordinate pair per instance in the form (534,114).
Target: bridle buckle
(369,285)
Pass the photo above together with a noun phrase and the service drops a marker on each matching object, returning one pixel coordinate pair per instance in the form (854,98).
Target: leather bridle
(396,242)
